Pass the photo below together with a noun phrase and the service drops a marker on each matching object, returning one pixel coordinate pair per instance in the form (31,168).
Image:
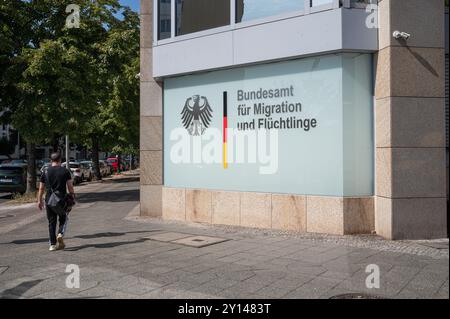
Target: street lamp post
(67,152)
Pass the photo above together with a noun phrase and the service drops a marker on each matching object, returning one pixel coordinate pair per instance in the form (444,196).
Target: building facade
(323,116)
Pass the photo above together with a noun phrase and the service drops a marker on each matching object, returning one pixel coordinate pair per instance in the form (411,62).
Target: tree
(115,123)
(56,80)
(15,35)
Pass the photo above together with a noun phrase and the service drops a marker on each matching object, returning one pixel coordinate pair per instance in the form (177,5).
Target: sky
(133,4)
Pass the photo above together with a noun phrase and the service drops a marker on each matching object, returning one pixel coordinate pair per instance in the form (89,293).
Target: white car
(80,172)
(89,166)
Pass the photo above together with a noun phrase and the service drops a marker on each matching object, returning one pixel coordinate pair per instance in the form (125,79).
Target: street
(120,255)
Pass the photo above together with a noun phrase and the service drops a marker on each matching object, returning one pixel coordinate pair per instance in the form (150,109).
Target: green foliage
(56,81)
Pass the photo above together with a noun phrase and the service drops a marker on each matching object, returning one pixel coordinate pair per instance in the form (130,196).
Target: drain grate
(356,296)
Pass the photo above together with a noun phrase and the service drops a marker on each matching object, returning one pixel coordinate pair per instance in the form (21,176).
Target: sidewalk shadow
(19,290)
(123,180)
(110,234)
(91,236)
(109,196)
(27,241)
(108,245)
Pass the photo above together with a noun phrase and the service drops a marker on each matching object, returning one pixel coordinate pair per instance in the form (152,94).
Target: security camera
(401,35)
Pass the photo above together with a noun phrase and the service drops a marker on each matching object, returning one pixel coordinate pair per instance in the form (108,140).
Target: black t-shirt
(56,178)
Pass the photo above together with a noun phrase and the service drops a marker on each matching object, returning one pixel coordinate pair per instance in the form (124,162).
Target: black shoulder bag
(56,201)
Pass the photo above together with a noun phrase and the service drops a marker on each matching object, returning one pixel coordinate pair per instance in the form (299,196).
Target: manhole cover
(356,296)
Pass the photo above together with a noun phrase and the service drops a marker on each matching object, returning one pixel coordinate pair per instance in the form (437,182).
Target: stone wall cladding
(299,213)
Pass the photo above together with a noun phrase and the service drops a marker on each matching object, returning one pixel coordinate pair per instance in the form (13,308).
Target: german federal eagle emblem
(196,115)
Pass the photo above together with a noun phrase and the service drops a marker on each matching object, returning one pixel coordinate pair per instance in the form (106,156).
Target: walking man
(55,179)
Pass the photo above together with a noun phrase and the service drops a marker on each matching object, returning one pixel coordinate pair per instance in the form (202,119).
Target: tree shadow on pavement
(90,236)
(27,241)
(122,180)
(108,245)
(110,196)
(110,234)
(19,290)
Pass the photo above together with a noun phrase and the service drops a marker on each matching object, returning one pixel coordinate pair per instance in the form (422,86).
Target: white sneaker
(52,248)
(60,240)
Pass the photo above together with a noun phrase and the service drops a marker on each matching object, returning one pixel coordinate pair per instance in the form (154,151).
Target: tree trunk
(95,150)
(31,168)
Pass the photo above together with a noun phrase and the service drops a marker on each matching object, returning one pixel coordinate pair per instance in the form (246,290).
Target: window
(254,9)
(191,16)
(164,20)
(198,15)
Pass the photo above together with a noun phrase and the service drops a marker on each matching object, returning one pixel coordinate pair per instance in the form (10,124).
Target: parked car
(110,168)
(4,160)
(104,168)
(13,179)
(18,162)
(114,161)
(79,172)
(89,166)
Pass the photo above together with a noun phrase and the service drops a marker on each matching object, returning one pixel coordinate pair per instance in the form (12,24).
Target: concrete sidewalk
(122,256)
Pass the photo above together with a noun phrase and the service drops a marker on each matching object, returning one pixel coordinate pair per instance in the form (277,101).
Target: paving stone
(138,289)
(305,269)
(337,275)
(314,289)
(198,278)
(428,280)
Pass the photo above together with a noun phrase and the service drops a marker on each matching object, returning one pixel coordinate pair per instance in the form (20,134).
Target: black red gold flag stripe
(225,127)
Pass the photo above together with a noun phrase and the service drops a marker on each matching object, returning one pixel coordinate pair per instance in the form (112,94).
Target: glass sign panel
(299,127)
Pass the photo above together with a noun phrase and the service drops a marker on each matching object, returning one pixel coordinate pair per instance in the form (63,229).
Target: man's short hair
(55,157)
